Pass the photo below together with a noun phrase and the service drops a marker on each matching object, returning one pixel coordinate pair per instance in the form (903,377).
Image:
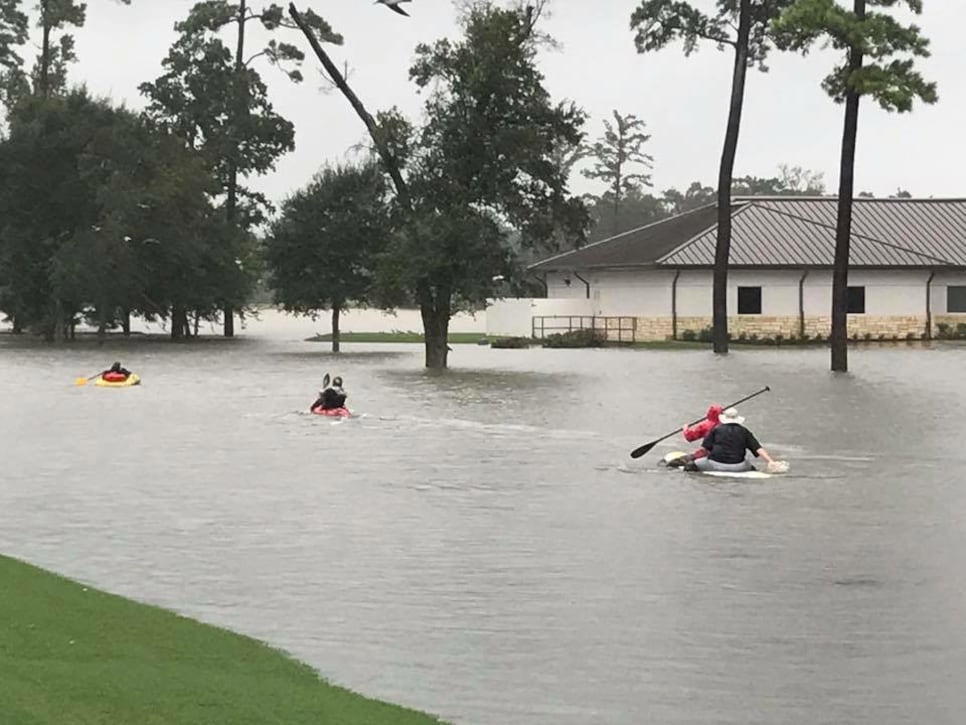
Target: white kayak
(781,467)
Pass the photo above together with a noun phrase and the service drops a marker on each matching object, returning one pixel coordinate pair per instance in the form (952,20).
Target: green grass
(73,655)
(455,338)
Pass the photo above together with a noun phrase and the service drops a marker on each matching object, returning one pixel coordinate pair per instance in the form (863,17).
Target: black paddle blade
(638,452)
(325,381)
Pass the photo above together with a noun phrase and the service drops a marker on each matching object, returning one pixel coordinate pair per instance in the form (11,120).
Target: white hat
(730,415)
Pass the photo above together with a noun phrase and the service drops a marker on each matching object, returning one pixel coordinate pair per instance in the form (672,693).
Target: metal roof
(800,232)
(789,232)
(637,247)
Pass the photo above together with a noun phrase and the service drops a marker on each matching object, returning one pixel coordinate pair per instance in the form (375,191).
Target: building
(907,274)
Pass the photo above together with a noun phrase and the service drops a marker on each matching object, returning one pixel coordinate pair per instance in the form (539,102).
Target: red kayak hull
(332,412)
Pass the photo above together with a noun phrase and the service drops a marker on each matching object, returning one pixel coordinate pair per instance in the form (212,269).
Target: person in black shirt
(726,445)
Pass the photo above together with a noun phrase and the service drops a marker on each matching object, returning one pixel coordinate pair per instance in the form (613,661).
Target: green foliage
(104,214)
(615,155)
(484,163)
(576,338)
(658,23)
(322,248)
(892,82)
(13,33)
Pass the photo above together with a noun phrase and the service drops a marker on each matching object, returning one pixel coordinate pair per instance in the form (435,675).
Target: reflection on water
(479,544)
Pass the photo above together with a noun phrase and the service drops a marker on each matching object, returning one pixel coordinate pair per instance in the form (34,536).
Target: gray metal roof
(642,246)
(800,232)
(789,232)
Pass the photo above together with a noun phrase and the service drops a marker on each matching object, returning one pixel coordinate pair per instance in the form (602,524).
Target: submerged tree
(215,98)
(322,249)
(743,26)
(484,160)
(871,41)
(616,155)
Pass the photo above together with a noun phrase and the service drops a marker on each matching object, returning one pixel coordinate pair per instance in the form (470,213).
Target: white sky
(787,117)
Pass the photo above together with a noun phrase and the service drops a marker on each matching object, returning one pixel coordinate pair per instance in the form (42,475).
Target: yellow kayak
(132,379)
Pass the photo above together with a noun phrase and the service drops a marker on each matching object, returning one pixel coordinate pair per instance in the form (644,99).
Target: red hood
(714,413)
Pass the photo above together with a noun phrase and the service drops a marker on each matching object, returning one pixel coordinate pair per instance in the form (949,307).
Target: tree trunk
(126,322)
(17,323)
(435,311)
(45,50)
(336,309)
(240,106)
(838,339)
(722,251)
(179,321)
(197,322)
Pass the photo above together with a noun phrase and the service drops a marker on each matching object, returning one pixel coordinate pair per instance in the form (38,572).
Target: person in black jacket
(726,445)
(333,396)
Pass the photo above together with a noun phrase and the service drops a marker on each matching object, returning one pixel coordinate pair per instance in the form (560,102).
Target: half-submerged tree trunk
(231,202)
(126,322)
(722,250)
(435,311)
(839,337)
(336,309)
(179,322)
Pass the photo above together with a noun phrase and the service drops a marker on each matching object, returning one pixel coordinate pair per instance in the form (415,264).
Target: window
(749,300)
(856,303)
(955,299)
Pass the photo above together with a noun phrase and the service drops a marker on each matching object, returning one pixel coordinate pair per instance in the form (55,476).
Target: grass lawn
(455,338)
(71,655)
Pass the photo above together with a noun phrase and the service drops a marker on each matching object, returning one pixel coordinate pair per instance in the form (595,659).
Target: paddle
(638,452)
(325,381)
(84,381)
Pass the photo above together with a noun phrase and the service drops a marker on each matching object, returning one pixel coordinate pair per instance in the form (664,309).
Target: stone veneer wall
(659,328)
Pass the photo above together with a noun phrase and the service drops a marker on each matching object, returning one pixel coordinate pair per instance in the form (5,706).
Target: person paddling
(726,444)
(116,373)
(331,397)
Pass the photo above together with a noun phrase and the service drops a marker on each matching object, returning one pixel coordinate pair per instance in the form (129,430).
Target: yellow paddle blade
(80,381)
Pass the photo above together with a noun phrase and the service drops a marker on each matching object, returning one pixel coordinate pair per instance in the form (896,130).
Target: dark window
(956,299)
(749,300)
(856,301)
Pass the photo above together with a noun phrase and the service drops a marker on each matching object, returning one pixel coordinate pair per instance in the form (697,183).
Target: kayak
(672,460)
(131,380)
(332,412)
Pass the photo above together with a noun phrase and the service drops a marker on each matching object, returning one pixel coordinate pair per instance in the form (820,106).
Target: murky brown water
(480,545)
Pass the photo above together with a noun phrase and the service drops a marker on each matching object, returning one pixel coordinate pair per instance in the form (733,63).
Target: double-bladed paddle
(638,452)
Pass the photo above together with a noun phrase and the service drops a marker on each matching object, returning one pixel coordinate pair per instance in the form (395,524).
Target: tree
(483,161)
(322,249)
(637,209)
(615,154)
(215,99)
(13,33)
(658,22)
(894,83)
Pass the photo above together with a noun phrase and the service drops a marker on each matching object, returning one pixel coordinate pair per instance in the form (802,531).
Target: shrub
(944,331)
(689,335)
(960,330)
(705,335)
(576,338)
(510,343)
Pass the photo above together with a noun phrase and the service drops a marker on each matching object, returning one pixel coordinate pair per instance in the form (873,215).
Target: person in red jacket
(698,431)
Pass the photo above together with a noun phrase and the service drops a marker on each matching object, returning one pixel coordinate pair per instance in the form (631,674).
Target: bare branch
(388,160)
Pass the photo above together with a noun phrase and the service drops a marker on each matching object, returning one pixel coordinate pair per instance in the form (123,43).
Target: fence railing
(619,329)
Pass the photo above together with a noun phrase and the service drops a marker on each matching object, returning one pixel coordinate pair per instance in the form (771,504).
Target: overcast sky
(787,117)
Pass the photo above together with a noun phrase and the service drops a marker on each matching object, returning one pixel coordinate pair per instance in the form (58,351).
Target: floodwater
(479,544)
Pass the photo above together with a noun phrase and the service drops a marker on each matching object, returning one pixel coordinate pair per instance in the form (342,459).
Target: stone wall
(762,326)
(654,329)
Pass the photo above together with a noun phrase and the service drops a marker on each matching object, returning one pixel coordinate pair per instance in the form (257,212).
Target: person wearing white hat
(726,445)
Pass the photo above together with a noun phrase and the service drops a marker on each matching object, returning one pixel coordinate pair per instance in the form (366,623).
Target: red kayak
(332,412)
